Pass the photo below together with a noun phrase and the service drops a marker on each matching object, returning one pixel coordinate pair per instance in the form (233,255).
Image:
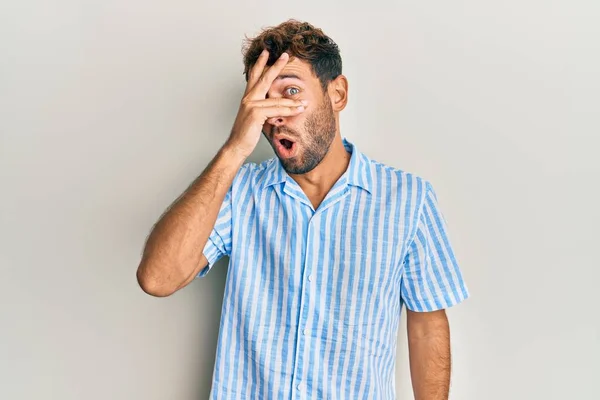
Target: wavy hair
(300,40)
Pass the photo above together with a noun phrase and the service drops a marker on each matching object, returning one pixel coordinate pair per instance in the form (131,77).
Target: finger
(278,102)
(259,91)
(274,111)
(257,69)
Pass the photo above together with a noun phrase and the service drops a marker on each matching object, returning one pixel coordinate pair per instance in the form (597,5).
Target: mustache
(287,131)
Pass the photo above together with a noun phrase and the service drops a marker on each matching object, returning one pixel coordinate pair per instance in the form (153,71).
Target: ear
(338,92)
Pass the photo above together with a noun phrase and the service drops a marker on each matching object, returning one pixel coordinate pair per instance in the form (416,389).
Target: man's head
(313,73)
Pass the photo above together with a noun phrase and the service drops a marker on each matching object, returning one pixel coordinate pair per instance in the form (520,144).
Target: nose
(276,121)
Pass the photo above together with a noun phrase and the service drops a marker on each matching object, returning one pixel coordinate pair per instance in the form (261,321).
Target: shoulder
(398,182)
(252,173)
(410,193)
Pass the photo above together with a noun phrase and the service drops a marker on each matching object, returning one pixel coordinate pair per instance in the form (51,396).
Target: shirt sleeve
(219,241)
(431,279)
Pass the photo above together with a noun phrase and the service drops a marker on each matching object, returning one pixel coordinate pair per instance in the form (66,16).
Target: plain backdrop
(109,109)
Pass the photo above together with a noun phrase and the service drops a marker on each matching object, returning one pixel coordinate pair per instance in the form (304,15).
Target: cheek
(299,119)
(266,129)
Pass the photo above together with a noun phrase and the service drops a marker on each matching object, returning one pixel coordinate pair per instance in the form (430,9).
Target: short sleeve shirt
(313,297)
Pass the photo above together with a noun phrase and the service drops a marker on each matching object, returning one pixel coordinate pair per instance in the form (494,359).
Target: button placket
(299,373)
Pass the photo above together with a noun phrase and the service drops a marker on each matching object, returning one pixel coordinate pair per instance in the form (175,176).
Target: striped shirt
(313,297)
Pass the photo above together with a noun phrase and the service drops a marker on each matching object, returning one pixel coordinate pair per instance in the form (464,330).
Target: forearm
(430,360)
(173,251)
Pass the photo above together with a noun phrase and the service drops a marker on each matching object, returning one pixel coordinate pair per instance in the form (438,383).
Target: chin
(295,167)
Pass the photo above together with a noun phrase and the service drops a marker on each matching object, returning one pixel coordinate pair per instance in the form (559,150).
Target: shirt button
(300,386)
(305,331)
(310,278)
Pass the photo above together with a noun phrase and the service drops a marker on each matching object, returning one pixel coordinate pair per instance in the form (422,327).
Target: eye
(292,91)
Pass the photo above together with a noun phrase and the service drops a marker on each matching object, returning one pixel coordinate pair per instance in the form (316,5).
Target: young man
(325,245)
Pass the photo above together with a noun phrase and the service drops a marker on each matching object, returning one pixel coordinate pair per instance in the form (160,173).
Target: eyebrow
(288,76)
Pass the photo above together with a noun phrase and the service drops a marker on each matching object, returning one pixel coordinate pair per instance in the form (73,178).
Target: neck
(321,179)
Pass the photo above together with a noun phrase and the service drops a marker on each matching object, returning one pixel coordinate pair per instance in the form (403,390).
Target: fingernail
(305,102)
(300,108)
(283,54)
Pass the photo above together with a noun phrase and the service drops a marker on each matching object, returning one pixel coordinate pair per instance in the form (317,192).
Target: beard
(320,130)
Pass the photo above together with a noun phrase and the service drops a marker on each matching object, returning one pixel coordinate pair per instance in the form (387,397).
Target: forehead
(297,68)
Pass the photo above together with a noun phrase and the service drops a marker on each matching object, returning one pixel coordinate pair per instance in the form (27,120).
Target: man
(325,245)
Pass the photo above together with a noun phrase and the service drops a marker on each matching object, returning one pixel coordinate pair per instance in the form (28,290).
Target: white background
(109,109)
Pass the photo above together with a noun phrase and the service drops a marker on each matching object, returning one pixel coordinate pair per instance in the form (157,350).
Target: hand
(255,108)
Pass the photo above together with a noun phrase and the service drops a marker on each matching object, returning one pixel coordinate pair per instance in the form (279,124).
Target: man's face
(301,141)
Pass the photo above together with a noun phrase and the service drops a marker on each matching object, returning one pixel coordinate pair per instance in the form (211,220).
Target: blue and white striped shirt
(313,297)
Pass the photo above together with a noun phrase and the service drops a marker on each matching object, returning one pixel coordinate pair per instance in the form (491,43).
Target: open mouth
(286,143)
(285,147)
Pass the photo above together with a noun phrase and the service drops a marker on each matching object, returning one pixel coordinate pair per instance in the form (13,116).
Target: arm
(173,255)
(429,354)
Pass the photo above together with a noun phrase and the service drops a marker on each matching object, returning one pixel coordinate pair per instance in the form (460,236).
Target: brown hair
(301,40)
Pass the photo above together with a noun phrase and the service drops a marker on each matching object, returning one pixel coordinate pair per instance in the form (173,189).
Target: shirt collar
(357,173)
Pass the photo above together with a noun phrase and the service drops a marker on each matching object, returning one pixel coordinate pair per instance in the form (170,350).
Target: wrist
(235,153)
